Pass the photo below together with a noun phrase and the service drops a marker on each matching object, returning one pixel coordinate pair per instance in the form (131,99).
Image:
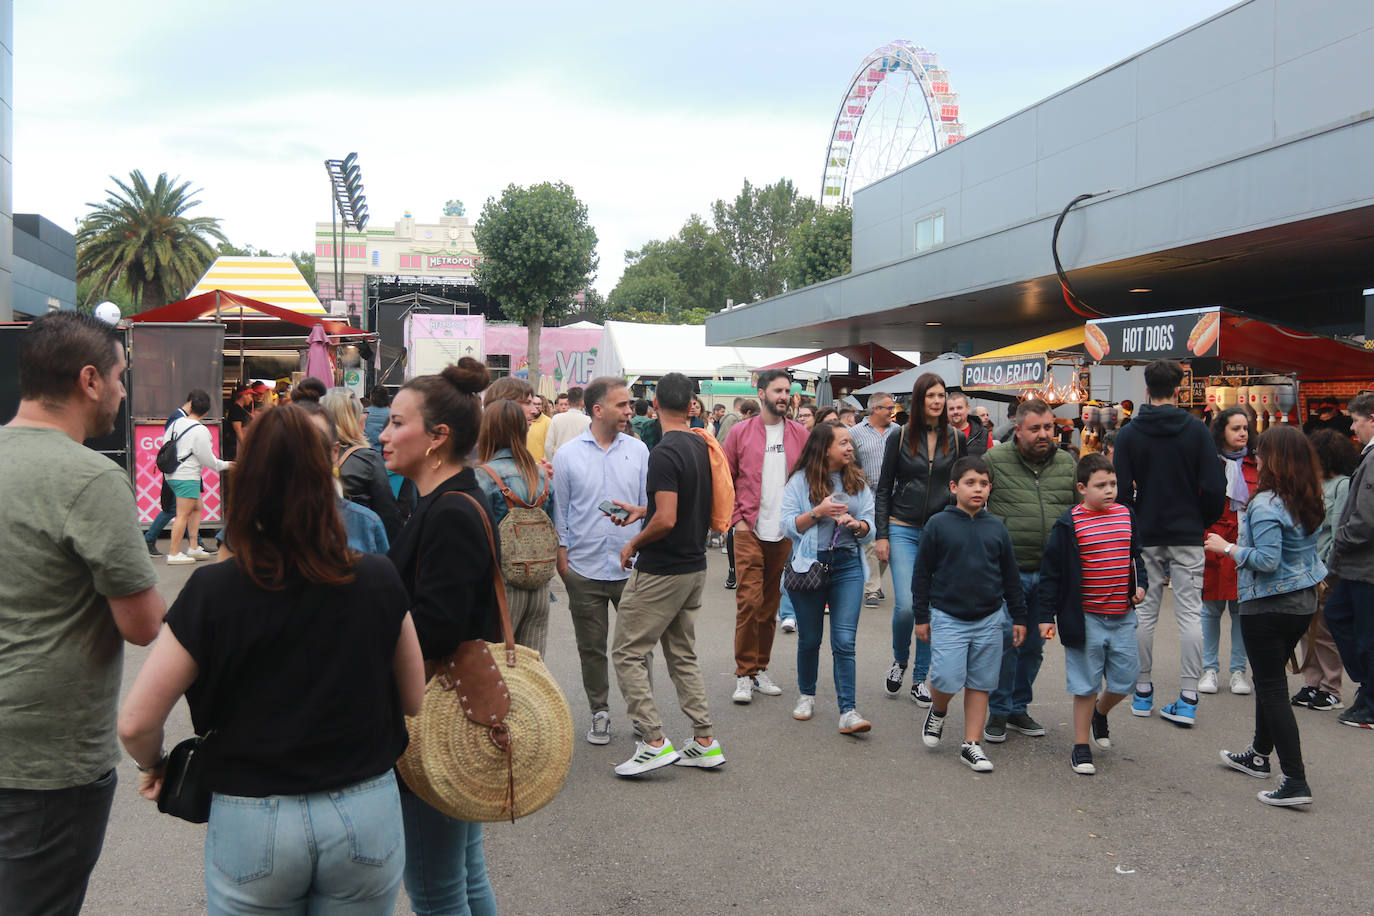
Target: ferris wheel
(898,108)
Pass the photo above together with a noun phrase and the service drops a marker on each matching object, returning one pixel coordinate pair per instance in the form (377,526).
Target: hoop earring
(437,461)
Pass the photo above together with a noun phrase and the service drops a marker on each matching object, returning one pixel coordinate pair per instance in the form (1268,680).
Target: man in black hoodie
(1169,474)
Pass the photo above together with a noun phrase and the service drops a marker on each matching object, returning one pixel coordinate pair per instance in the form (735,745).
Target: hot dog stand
(1276,373)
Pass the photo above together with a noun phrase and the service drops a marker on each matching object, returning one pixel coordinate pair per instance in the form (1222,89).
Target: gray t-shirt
(1303,601)
(69,537)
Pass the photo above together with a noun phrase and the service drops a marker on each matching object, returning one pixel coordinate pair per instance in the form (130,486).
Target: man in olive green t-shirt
(75,583)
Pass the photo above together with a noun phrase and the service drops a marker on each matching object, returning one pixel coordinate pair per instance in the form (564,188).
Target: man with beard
(1033,483)
(761,451)
(970,427)
(76,582)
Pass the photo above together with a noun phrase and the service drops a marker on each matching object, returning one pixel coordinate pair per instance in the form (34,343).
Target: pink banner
(568,355)
(148,479)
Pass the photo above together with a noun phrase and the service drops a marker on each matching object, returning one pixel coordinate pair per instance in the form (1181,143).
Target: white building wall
(6,160)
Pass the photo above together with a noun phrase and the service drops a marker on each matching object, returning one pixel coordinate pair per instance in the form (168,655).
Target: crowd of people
(351,567)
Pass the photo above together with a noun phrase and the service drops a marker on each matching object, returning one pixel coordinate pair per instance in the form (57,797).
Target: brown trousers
(1321,664)
(758,569)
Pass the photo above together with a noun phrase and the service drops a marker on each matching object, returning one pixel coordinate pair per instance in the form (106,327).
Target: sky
(649,111)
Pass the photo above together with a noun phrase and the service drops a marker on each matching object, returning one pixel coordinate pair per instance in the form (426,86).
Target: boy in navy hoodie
(1092,577)
(965,570)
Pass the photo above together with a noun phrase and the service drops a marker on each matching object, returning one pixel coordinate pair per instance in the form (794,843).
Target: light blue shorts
(185,489)
(965,653)
(1109,651)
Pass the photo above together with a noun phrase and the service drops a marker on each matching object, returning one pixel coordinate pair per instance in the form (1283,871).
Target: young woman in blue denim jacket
(501,446)
(1276,556)
(827,512)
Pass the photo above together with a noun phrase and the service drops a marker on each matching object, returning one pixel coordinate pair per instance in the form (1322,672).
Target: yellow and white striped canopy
(273,280)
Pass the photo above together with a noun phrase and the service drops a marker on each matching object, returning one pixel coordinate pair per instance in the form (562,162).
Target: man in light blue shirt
(603,463)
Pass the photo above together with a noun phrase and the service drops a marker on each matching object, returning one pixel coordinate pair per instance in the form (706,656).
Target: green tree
(755,229)
(142,236)
(538,250)
(656,290)
(820,248)
(305,263)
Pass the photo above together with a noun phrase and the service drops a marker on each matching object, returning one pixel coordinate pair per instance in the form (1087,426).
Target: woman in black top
(912,487)
(297,658)
(443,559)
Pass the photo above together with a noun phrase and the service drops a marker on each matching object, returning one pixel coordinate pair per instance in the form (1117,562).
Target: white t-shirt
(769,526)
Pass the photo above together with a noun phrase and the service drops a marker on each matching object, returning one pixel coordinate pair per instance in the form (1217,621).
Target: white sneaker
(694,755)
(199,553)
(646,758)
(805,708)
(180,559)
(789,625)
(744,689)
(600,732)
(851,723)
(764,685)
(1208,682)
(1239,685)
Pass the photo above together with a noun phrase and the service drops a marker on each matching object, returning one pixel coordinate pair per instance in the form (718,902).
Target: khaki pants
(588,602)
(660,609)
(529,615)
(758,569)
(1321,664)
(876,571)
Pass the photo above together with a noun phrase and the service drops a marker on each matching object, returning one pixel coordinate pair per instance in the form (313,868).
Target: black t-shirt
(679,464)
(230,440)
(298,685)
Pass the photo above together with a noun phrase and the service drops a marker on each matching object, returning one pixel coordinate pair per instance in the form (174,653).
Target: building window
(376,258)
(930,231)
(498,365)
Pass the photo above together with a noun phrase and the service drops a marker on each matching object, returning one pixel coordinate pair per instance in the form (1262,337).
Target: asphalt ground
(804,820)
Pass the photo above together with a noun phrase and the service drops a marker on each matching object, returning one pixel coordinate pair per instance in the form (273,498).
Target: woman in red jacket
(1231,430)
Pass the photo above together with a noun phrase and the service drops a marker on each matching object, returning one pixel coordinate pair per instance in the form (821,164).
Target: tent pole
(242,330)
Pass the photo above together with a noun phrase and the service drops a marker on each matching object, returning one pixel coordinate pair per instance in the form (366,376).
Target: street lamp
(347,204)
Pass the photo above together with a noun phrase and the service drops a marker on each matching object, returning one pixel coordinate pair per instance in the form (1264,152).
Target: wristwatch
(812,513)
(1229,548)
(161,762)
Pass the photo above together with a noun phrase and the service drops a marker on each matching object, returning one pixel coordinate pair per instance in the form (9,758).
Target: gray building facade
(44,266)
(6,159)
(1232,167)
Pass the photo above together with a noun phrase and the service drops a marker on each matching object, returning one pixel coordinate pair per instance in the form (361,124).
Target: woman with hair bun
(443,559)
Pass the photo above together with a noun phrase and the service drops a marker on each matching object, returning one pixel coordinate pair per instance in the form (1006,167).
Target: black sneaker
(1081,760)
(1024,724)
(895,675)
(1324,701)
(973,757)
(1247,761)
(1289,793)
(1304,696)
(730,580)
(920,694)
(995,732)
(934,728)
(1101,736)
(152,549)
(1358,716)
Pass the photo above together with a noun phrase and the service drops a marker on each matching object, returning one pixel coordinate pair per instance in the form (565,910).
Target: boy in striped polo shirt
(1091,578)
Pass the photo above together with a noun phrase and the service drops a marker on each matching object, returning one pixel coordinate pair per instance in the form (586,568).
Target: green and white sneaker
(646,758)
(694,755)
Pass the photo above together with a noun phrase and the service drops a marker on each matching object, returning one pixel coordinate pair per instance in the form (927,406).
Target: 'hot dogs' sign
(1018,372)
(1167,335)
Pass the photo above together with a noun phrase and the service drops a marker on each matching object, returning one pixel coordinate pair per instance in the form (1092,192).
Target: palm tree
(143,235)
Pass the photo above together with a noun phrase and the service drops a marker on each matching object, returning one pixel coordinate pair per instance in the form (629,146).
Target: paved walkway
(804,820)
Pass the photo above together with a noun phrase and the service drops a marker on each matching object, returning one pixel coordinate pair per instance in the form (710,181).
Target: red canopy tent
(878,360)
(217,301)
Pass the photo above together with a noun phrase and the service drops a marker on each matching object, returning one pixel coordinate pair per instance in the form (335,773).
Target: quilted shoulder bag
(816,577)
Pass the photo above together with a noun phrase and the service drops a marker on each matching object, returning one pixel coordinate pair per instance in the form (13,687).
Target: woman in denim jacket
(827,512)
(1276,556)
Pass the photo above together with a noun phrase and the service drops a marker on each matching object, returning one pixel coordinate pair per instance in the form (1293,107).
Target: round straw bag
(494,736)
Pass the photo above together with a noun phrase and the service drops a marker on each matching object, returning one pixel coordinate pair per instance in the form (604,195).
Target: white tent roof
(583,326)
(632,350)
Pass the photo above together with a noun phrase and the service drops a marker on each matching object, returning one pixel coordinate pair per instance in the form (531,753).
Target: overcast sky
(649,112)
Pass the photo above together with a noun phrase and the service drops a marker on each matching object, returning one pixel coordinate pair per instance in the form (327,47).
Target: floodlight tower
(348,205)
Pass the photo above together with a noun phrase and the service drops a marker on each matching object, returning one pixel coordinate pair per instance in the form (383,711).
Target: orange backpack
(722,484)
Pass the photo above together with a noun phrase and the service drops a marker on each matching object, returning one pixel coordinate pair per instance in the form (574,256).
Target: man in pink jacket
(761,451)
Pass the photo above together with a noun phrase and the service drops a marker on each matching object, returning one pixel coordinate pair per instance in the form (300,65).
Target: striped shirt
(1104,546)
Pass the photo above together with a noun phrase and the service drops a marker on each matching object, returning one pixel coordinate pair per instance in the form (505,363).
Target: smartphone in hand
(616,512)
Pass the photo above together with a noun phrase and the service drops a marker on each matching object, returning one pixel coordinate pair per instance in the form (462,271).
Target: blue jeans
(159,524)
(845,595)
(1211,635)
(446,872)
(339,852)
(1021,664)
(902,543)
(785,609)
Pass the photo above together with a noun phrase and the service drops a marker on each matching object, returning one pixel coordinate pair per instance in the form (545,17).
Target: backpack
(722,484)
(529,543)
(167,461)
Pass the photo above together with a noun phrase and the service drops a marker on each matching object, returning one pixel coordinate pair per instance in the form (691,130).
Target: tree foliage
(755,228)
(142,236)
(538,251)
(820,248)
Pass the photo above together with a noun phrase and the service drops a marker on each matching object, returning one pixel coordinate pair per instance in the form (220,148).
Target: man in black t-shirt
(664,592)
(236,419)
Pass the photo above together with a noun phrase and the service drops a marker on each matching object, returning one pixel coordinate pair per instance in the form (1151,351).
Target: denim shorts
(185,489)
(1109,651)
(965,653)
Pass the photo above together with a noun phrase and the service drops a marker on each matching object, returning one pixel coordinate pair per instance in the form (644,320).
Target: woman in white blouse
(194,452)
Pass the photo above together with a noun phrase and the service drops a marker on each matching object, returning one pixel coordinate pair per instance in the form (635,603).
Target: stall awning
(1060,340)
(204,305)
(1231,336)
(871,356)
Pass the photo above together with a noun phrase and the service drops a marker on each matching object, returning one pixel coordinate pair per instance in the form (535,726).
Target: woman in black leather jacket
(362,472)
(913,487)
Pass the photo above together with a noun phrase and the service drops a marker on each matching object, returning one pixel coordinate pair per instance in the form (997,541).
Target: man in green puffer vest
(1032,485)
